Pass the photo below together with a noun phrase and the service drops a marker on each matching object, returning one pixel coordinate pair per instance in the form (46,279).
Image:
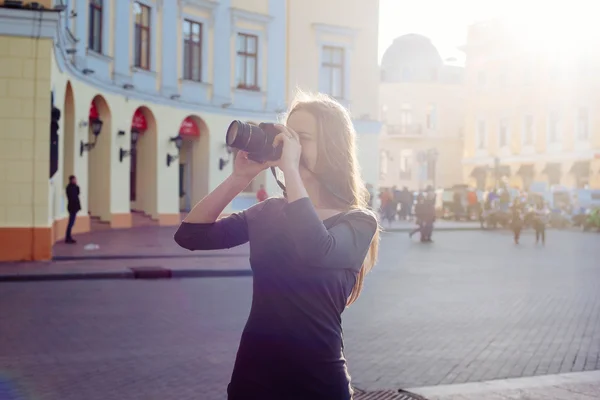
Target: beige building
(531,113)
(422,109)
(145,91)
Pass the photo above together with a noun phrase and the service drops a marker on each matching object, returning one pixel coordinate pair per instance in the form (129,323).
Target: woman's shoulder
(272,203)
(362,216)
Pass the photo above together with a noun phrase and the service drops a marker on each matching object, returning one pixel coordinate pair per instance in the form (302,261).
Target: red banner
(139,121)
(189,128)
(93,111)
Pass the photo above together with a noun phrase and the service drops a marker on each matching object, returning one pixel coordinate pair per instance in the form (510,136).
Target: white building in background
(422,108)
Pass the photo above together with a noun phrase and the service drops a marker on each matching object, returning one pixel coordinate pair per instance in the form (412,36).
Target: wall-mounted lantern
(224,161)
(178,140)
(96,127)
(135,134)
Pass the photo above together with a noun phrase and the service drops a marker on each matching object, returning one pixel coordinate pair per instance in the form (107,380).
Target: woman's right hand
(245,168)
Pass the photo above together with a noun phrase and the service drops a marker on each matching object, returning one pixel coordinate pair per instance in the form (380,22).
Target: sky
(445,22)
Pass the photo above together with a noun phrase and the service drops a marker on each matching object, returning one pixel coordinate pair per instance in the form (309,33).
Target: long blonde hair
(337,165)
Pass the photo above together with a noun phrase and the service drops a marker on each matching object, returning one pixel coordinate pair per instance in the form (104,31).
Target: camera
(257,141)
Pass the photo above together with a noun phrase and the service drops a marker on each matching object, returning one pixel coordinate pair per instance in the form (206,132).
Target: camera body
(257,141)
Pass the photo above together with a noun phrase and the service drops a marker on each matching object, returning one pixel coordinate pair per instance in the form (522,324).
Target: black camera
(257,141)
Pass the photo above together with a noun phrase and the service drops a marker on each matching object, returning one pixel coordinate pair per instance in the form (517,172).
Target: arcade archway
(193,162)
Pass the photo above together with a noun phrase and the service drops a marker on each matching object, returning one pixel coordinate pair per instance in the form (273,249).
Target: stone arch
(144,163)
(194,161)
(99,160)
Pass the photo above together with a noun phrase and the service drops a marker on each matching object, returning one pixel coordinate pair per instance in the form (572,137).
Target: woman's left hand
(292,150)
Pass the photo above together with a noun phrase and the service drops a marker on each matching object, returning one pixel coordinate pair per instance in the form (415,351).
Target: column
(222,54)
(276,64)
(122,30)
(169,73)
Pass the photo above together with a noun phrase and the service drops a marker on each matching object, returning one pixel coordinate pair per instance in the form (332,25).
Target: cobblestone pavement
(469,307)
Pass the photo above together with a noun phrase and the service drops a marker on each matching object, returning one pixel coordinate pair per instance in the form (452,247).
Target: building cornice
(245,15)
(335,30)
(202,5)
(29,23)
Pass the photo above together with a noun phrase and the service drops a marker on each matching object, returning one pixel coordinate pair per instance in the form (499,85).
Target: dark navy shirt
(303,272)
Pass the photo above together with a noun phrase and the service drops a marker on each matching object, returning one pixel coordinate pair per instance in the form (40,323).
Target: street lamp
(96,127)
(178,140)
(135,134)
(224,161)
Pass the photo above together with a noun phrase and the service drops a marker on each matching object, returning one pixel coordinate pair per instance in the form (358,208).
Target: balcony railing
(405,130)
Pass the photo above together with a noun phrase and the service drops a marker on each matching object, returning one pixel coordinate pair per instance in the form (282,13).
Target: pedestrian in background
(73,207)
(516,219)
(539,222)
(261,194)
(428,216)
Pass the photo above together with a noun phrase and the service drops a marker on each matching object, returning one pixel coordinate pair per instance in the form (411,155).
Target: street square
(470,307)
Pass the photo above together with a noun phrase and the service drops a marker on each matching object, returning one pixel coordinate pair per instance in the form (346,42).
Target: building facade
(146,90)
(422,109)
(532,111)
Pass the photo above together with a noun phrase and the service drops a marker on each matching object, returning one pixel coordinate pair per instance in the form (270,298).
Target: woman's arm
(200,230)
(209,208)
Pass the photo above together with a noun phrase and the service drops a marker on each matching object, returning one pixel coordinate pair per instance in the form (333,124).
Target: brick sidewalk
(135,242)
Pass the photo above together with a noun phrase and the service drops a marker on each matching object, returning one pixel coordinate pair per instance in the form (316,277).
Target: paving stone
(470,307)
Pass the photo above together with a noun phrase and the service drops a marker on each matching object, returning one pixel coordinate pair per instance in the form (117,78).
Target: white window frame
(153,32)
(528,148)
(205,23)
(506,121)
(556,145)
(586,143)
(255,18)
(431,119)
(578,125)
(324,80)
(481,145)
(406,160)
(323,35)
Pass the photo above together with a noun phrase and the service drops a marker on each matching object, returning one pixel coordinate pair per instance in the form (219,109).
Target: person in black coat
(73,206)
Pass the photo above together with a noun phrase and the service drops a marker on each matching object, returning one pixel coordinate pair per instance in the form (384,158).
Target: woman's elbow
(184,240)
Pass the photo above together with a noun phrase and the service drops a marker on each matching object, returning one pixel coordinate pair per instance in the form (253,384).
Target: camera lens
(247,137)
(232,134)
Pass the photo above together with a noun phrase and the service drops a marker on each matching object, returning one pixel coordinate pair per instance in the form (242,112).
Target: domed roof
(410,51)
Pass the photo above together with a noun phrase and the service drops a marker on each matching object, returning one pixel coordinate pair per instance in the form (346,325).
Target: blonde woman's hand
(244,168)
(292,150)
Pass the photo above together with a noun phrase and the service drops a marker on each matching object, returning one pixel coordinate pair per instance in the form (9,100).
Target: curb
(133,273)
(143,256)
(442,229)
(495,388)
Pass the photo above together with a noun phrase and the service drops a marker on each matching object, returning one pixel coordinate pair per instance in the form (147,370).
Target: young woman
(309,255)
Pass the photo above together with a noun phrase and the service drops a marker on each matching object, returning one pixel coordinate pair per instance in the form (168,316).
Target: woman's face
(305,125)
